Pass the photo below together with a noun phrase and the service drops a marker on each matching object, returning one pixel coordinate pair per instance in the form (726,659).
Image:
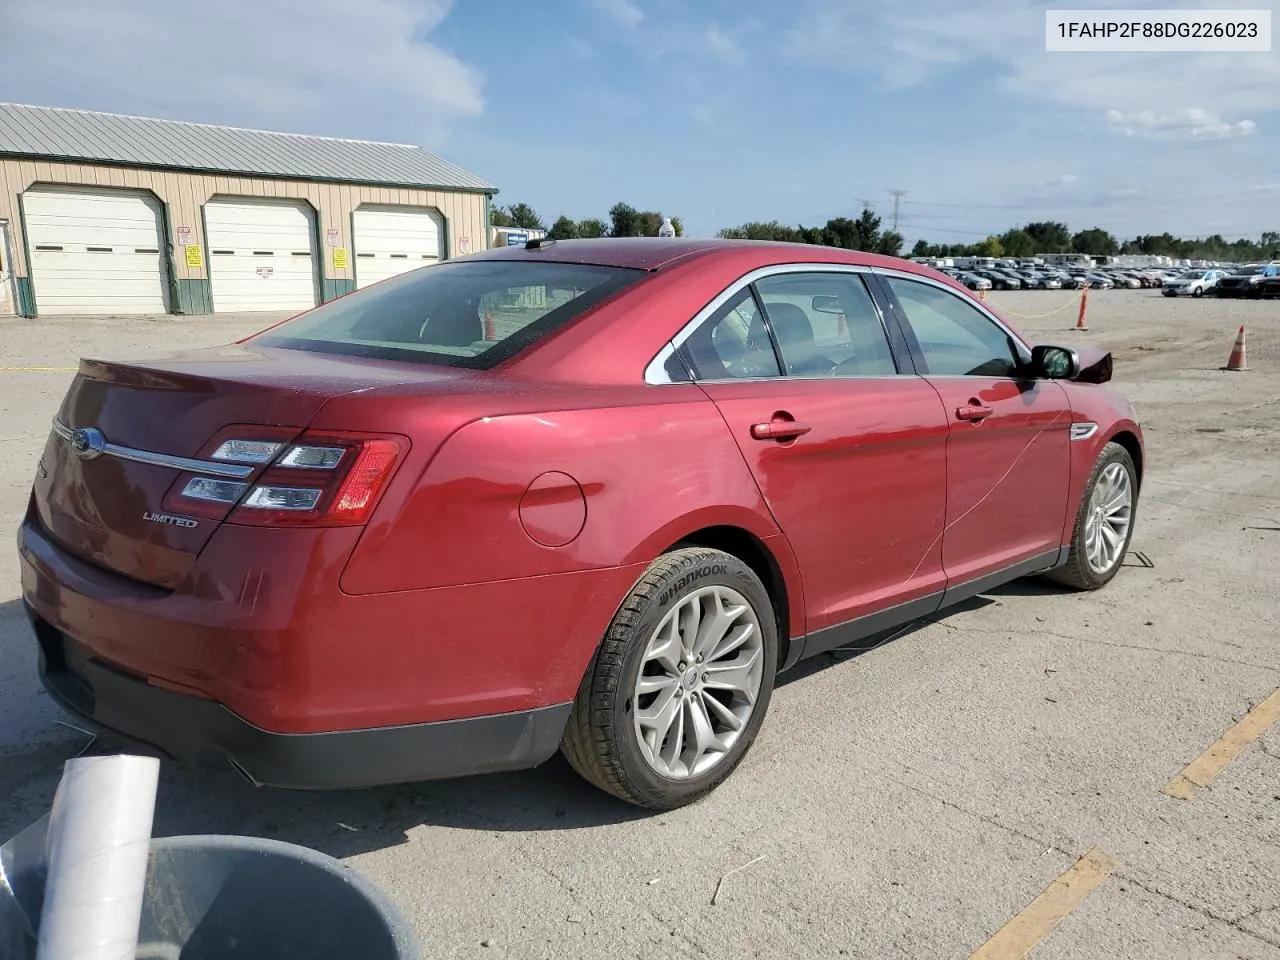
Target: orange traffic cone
(1237,361)
(842,327)
(1081,324)
(982,293)
(490,327)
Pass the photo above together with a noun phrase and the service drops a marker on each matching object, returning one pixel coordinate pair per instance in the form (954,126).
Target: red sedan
(591,496)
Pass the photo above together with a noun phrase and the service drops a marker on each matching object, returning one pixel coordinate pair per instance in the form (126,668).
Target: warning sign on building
(184,236)
(195,257)
(266,272)
(332,237)
(339,258)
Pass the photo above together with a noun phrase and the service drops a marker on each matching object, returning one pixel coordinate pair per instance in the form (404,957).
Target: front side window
(956,338)
(470,313)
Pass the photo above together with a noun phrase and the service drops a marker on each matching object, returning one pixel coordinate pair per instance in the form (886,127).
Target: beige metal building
(113,215)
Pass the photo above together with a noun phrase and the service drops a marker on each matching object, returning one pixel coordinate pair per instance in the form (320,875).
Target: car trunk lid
(128,432)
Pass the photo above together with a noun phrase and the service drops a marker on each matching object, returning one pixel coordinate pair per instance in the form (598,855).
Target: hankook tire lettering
(706,571)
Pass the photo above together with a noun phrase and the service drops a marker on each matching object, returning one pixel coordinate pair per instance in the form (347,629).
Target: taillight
(310,480)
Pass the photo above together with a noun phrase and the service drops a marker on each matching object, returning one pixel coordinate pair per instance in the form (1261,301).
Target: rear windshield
(1249,271)
(466,313)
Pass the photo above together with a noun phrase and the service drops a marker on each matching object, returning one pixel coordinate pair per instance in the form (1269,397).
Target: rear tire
(646,672)
(1096,555)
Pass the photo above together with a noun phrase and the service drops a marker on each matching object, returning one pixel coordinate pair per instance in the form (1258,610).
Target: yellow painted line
(1020,935)
(1201,771)
(39,369)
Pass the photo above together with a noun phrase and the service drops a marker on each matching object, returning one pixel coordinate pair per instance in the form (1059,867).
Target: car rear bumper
(275,670)
(193,729)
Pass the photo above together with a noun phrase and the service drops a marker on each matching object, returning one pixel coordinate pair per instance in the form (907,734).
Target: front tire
(1198,292)
(1104,522)
(680,685)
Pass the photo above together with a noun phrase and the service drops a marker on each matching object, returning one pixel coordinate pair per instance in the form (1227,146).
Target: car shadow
(196,800)
(1024,587)
(193,800)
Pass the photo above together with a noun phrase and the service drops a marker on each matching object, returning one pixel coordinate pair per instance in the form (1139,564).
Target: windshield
(1194,275)
(1248,271)
(467,313)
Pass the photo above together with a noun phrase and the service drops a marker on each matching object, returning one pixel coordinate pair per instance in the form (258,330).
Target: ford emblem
(87,443)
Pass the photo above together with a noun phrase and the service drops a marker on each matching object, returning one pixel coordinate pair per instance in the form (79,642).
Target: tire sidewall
(698,570)
(1112,453)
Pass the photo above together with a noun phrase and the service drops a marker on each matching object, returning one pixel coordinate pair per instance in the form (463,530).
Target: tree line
(1054,237)
(624,221)
(866,233)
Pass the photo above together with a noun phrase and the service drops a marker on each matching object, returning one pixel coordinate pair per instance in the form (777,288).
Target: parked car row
(1229,280)
(1248,280)
(1047,278)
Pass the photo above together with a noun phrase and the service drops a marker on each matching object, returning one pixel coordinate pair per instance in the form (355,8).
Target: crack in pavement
(990,821)
(1130,646)
(1255,912)
(1196,908)
(1121,873)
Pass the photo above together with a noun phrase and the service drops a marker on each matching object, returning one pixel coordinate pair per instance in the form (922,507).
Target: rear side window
(734,343)
(468,313)
(826,325)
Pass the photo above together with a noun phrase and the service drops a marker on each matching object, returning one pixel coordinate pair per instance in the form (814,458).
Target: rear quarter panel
(631,479)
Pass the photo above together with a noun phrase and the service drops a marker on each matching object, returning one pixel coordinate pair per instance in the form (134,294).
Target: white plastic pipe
(98,842)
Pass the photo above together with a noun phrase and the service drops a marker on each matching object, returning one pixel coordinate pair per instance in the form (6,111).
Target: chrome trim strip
(657,367)
(655,373)
(206,467)
(1083,430)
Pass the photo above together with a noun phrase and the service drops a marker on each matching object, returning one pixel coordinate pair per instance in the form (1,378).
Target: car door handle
(779,430)
(974,412)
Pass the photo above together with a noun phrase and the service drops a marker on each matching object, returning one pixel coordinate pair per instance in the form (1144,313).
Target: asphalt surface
(904,801)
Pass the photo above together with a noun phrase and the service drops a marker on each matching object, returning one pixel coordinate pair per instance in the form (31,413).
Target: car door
(1008,451)
(849,454)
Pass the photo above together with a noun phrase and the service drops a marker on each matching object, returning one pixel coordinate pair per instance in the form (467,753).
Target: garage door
(391,240)
(95,251)
(261,255)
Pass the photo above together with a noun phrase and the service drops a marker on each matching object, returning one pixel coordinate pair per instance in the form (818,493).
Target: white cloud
(623,12)
(1190,124)
(364,70)
(939,35)
(578,47)
(724,46)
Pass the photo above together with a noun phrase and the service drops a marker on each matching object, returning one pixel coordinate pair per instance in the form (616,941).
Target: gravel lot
(906,801)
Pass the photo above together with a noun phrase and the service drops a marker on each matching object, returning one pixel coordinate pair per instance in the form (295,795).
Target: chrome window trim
(655,373)
(976,304)
(205,467)
(658,366)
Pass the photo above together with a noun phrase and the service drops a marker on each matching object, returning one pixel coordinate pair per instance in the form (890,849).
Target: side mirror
(824,304)
(1054,363)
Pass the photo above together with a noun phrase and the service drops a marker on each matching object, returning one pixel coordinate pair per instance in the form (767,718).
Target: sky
(715,111)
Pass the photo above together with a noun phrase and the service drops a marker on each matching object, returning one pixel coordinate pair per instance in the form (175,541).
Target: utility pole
(897,199)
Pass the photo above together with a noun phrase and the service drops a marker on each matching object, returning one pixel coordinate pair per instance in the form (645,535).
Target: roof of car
(653,253)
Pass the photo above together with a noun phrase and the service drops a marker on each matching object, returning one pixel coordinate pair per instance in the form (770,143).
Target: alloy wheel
(698,682)
(1110,514)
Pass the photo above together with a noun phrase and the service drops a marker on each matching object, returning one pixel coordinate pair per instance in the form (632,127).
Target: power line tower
(897,200)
